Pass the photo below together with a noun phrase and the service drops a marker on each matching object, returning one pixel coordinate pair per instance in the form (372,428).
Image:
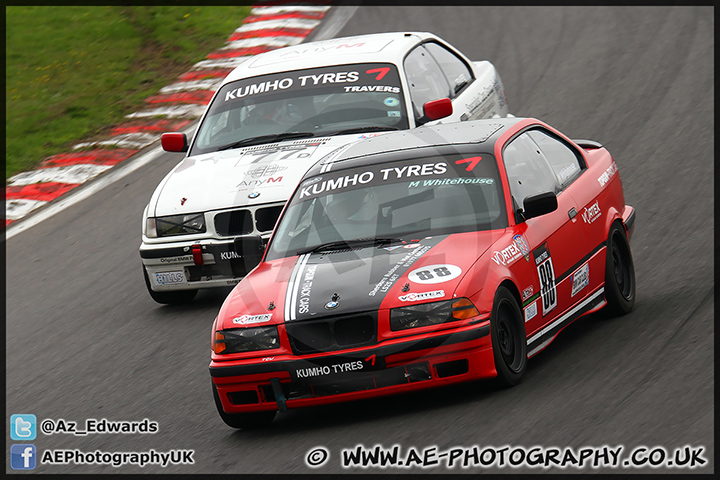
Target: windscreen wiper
(374,128)
(266,139)
(343,244)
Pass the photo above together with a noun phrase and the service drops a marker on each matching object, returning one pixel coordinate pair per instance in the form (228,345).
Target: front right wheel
(509,341)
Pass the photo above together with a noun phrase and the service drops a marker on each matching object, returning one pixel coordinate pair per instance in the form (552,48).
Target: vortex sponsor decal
(251,319)
(592,213)
(507,255)
(413,297)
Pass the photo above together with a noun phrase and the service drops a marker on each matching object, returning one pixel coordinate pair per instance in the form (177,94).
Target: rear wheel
(245,421)
(619,273)
(170,298)
(509,342)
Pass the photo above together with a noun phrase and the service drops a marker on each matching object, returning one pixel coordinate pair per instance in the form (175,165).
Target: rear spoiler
(588,143)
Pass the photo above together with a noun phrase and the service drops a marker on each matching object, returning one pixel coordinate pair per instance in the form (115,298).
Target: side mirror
(540,204)
(174,142)
(250,248)
(437,109)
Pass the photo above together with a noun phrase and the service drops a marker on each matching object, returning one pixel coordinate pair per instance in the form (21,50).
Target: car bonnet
(248,176)
(320,284)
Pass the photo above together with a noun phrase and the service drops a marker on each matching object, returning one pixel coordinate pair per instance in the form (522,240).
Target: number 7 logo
(380,71)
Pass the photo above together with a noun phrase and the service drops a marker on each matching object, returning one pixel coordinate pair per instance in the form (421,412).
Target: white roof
(375,48)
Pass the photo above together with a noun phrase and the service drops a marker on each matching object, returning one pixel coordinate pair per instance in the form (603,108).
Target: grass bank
(72,71)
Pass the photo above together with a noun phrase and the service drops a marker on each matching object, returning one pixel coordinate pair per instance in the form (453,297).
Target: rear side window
(565,161)
(455,70)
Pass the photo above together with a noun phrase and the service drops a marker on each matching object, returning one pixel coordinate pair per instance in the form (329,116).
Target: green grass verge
(73,71)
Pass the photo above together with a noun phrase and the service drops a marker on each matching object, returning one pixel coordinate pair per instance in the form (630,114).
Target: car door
(556,240)
(568,165)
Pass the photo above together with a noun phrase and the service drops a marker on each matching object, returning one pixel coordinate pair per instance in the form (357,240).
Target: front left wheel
(244,421)
(509,341)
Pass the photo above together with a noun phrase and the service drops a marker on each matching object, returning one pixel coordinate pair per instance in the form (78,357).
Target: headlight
(246,339)
(192,223)
(434,313)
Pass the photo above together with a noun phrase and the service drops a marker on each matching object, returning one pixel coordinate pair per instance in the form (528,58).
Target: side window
(562,159)
(425,79)
(527,170)
(455,70)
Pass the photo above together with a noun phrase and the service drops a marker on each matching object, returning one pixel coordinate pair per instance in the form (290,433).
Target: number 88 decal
(546,275)
(434,274)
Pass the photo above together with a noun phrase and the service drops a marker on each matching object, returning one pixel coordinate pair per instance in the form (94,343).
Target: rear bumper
(385,369)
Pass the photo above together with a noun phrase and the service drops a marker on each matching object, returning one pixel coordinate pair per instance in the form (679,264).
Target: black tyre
(619,273)
(170,298)
(509,341)
(245,421)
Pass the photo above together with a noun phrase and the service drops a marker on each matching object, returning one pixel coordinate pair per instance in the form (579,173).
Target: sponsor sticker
(523,246)
(592,212)
(531,311)
(546,275)
(168,278)
(413,297)
(434,274)
(250,319)
(394,113)
(507,255)
(527,293)
(580,279)
(184,258)
(608,174)
(391,102)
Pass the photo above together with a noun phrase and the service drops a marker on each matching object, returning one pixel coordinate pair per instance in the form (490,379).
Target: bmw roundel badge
(254,195)
(331,304)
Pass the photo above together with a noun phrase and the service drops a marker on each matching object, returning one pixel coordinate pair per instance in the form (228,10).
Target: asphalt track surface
(84,339)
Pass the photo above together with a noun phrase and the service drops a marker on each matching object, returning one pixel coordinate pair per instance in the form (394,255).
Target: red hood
(366,279)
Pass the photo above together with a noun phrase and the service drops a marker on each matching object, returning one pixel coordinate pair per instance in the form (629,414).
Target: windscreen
(314,102)
(402,200)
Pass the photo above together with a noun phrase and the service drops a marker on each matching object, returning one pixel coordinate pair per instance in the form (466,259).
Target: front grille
(332,333)
(231,224)
(265,218)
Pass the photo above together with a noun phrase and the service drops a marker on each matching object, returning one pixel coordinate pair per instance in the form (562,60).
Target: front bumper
(288,381)
(192,265)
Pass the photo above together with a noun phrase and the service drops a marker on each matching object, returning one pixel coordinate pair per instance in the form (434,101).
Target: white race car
(275,116)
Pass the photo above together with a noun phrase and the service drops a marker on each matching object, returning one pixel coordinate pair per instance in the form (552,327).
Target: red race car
(423,258)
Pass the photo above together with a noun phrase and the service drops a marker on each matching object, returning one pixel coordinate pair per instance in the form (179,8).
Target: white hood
(231,178)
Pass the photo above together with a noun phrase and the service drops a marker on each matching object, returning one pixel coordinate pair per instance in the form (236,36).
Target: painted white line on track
(17,208)
(212,84)
(174,111)
(128,140)
(263,42)
(230,62)
(67,174)
(304,23)
(332,24)
(286,9)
